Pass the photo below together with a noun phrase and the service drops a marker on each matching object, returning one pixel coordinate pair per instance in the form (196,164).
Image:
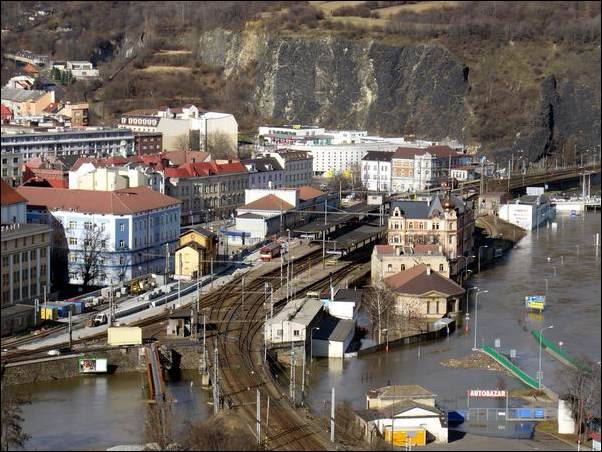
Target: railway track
(243,371)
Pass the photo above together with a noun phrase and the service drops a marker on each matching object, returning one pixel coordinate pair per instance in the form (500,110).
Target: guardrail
(517,372)
(557,352)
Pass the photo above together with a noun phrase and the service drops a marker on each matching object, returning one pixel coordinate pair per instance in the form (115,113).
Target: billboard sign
(488,393)
(535,302)
(534,191)
(92,365)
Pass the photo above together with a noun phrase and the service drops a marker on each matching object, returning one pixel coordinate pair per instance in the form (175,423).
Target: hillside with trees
(502,75)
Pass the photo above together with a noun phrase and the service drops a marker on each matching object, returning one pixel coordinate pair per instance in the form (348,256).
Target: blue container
(525,413)
(63,311)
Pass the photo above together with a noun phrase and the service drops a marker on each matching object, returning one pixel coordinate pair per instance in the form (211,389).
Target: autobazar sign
(490,393)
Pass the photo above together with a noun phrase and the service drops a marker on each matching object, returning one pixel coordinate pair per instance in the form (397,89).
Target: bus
(270,251)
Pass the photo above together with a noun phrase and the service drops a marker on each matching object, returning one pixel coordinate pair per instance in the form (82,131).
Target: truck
(99,319)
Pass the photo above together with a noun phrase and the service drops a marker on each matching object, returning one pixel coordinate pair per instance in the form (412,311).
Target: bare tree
(88,266)
(182,142)
(158,425)
(13,436)
(583,388)
(220,145)
(379,304)
(216,434)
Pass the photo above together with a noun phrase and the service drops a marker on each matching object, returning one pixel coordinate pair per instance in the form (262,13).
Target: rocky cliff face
(350,84)
(419,89)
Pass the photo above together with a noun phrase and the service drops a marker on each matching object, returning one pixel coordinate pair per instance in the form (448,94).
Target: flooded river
(94,413)
(573,308)
(99,412)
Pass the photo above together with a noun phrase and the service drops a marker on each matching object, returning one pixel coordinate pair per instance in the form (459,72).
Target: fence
(444,331)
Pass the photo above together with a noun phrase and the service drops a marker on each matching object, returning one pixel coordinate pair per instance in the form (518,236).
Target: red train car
(270,251)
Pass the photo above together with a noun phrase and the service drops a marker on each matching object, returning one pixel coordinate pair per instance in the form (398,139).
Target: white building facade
(376,170)
(528,212)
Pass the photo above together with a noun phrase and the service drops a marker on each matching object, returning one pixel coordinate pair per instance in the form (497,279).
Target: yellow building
(197,245)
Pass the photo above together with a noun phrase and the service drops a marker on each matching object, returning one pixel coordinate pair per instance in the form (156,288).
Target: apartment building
(25,102)
(298,166)
(97,142)
(125,231)
(264,172)
(208,190)
(25,253)
(376,171)
(12,172)
(442,220)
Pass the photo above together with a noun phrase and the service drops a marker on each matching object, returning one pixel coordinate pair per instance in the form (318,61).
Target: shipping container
(403,437)
(49,313)
(124,335)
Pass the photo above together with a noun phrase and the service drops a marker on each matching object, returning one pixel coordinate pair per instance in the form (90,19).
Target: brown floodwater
(97,412)
(573,308)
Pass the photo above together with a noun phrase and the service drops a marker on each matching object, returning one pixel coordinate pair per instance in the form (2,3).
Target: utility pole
(204,344)
(324,234)
(303,380)
(243,294)
(215,383)
(166,259)
(267,422)
(332,416)
(258,417)
(70,330)
(292,376)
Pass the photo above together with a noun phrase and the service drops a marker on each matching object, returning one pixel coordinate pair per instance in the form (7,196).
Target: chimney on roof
(428,269)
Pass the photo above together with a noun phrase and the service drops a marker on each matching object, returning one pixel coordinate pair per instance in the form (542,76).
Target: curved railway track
(243,371)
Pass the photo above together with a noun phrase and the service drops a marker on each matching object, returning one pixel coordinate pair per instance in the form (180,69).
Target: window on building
(88,225)
(122,244)
(279,333)
(122,227)
(403,267)
(72,241)
(295,332)
(440,267)
(390,267)
(72,224)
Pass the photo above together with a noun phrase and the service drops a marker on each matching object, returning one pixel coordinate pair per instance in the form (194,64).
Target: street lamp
(311,343)
(482,246)
(386,331)
(540,339)
(476,304)
(546,280)
(467,292)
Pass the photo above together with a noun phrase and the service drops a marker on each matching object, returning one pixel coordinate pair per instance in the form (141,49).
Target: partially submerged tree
(379,302)
(583,388)
(13,436)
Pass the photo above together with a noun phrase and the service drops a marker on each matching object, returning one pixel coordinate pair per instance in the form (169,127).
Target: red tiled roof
(120,202)
(58,183)
(205,169)
(416,281)
(306,192)
(269,202)
(6,111)
(408,153)
(426,249)
(9,195)
(443,151)
(385,249)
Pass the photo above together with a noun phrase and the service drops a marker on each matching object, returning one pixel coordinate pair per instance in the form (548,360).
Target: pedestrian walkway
(556,351)
(518,373)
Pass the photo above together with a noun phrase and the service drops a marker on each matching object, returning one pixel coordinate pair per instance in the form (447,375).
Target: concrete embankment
(120,360)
